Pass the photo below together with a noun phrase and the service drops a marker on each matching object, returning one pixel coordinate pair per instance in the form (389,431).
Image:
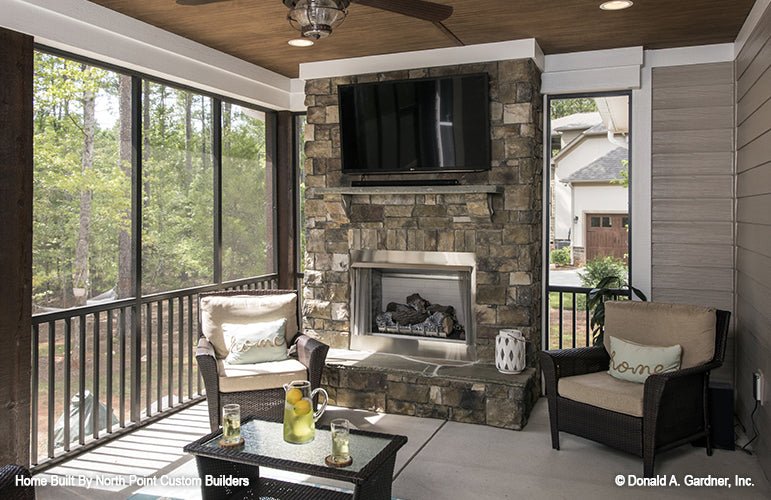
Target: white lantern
(510,351)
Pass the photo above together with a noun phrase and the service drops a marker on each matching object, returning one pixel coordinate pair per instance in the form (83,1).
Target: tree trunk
(188,138)
(124,153)
(206,133)
(80,280)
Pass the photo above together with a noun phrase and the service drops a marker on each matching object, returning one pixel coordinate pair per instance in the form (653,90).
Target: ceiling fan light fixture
(300,42)
(316,18)
(616,5)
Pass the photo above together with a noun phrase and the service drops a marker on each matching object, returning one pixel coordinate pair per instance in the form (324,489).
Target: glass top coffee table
(234,473)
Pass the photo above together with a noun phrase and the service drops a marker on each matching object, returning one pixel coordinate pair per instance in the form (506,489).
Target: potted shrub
(608,288)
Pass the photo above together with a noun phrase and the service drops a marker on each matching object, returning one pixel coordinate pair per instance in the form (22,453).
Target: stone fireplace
(414,303)
(492,217)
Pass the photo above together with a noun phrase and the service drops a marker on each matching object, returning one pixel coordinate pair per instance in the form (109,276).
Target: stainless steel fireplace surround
(449,275)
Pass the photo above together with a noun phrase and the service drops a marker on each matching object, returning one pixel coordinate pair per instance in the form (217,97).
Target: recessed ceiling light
(616,5)
(300,42)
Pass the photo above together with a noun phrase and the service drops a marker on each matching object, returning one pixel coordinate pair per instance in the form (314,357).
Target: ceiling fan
(316,18)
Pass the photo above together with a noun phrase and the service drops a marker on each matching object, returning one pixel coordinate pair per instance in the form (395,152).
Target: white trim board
(760,8)
(90,30)
(469,54)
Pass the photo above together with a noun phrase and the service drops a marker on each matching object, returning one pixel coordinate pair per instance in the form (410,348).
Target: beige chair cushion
(259,376)
(602,390)
(244,309)
(661,324)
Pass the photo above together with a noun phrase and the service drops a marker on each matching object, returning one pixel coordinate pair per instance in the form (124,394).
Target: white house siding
(590,148)
(596,198)
(753,229)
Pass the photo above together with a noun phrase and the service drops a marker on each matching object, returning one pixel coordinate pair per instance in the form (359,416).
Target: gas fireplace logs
(419,317)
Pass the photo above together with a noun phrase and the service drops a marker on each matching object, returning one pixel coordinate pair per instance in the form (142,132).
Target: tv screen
(427,125)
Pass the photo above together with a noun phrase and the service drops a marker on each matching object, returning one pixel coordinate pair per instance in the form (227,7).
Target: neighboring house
(599,208)
(593,147)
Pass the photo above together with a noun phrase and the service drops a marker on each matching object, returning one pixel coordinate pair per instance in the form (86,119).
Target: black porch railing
(569,318)
(124,364)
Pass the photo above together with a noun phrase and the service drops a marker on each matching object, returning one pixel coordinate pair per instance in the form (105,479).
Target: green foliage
(566,107)
(567,301)
(603,267)
(608,288)
(560,257)
(177,185)
(624,180)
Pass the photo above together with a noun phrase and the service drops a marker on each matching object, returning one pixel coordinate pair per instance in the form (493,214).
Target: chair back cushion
(662,324)
(245,309)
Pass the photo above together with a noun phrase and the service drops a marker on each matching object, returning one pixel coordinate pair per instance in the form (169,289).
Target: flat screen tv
(426,125)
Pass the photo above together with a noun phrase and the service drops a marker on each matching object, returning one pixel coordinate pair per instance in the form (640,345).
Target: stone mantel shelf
(477,198)
(369,190)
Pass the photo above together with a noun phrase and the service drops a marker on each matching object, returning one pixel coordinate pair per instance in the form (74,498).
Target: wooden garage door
(607,235)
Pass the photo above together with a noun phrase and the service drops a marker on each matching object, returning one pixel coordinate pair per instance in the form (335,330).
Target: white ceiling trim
(448,56)
(684,56)
(90,30)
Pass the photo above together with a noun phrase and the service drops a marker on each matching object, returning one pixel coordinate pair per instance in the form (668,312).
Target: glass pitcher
(299,419)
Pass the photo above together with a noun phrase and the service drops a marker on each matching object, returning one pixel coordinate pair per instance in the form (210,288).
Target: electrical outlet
(758,386)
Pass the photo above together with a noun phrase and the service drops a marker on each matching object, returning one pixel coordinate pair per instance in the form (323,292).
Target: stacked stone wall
(503,229)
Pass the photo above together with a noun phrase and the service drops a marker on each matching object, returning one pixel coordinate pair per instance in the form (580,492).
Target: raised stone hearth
(475,393)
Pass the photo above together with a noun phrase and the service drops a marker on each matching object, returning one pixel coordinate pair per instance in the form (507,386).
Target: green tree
(566,107)
(624,180)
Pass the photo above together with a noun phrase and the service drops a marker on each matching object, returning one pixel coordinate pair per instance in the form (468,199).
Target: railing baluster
(180,352)
(67,380)
(159,363)
(190,338)
(108,371)
(575,331)
(95,362)
(588,324)
(51,387)
(34,393)
(170,355)
(561,308)
(122,362)
(149,358)
(82,379)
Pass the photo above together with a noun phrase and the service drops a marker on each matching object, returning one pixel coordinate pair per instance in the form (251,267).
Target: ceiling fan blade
(420,9)
(199,2)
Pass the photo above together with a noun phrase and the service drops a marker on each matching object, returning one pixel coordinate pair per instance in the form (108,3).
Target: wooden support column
(286,201)
(16,63)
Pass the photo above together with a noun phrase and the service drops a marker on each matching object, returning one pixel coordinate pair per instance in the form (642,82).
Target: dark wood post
(286,202)
(16,63)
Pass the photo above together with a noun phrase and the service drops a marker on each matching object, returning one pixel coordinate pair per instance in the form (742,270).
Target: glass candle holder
(341,432)
(231,423)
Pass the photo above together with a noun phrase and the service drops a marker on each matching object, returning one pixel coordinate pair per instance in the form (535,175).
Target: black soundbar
(411,182)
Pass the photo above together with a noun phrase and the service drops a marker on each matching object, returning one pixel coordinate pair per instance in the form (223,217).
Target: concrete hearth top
(464,189)
(445,369)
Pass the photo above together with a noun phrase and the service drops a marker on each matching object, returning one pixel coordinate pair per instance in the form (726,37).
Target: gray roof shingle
(604,168)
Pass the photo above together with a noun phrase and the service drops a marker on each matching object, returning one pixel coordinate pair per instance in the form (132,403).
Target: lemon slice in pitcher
(294,396)
(302,407)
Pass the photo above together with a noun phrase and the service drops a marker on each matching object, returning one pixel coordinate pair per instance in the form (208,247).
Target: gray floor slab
(441,460)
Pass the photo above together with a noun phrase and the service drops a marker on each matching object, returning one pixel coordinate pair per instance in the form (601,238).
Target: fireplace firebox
(414,303)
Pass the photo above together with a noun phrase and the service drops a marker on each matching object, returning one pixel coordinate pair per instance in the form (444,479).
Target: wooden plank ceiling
(257,30)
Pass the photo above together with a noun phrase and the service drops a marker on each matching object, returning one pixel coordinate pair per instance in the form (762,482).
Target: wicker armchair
(257,394)
(8,487)
(674,404)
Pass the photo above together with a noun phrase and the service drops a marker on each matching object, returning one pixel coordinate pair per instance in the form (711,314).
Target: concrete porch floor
(442,460)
